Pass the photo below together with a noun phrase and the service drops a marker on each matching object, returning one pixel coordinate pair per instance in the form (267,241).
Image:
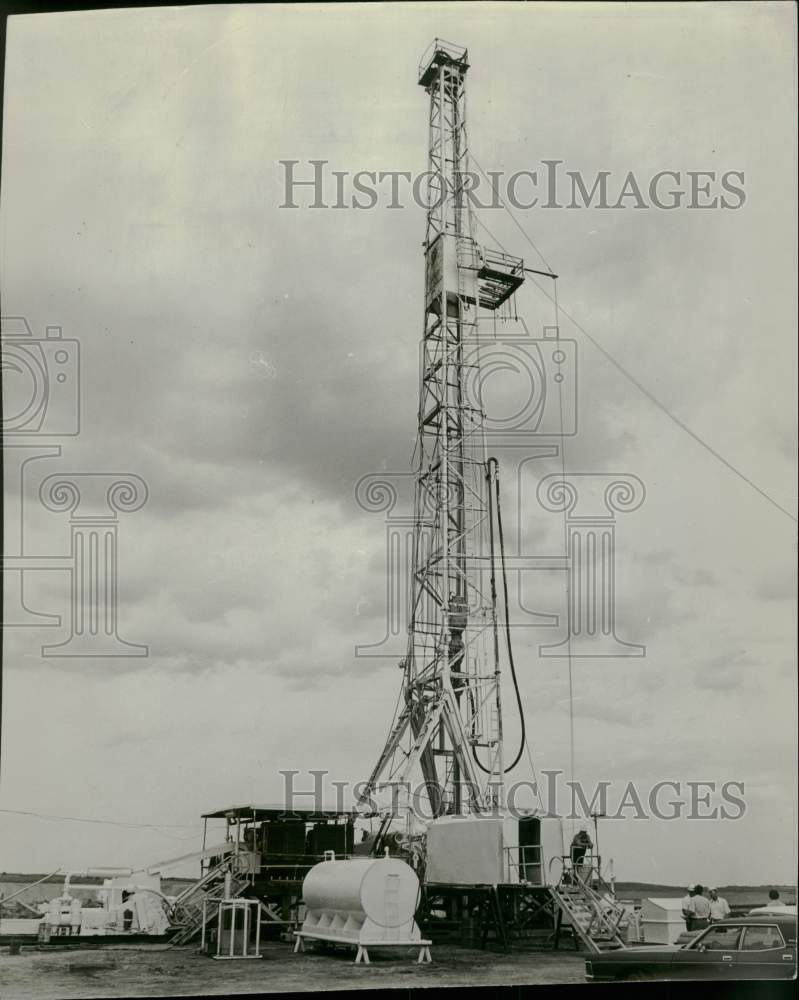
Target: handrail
(597,903)
(523,856)
(512,264)
(594,863)
(588,860)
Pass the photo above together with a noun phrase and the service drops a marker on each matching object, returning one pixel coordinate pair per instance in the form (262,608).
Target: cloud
(252,363)
(777,584)
(724,672)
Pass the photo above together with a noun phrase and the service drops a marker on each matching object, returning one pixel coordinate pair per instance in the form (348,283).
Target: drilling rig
(449,719)
(478,856)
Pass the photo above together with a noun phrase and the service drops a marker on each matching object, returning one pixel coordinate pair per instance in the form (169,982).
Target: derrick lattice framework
(449,721)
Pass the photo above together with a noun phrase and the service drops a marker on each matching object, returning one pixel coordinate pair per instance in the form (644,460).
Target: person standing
(701,910)
(688,907)
(719,907)
(773,901)
(581,843)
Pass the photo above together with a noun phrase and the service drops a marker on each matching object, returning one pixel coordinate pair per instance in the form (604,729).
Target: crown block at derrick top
(441,53)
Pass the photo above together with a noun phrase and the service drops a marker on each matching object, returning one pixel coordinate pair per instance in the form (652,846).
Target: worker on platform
(688,907)
(701,910)
(719,907)
(581,843)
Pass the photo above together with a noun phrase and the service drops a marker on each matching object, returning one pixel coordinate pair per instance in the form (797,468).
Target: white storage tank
(661,920)
(362,901)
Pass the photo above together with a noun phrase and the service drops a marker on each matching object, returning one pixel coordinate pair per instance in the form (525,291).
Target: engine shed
(271,848)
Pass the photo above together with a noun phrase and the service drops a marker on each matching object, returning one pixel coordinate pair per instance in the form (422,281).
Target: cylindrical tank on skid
(361,900)
(385,890)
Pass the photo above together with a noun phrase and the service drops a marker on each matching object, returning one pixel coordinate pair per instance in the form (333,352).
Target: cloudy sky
(252,363)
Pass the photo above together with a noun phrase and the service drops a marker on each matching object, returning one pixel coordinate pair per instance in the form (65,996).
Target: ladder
(188,907)
(595,919)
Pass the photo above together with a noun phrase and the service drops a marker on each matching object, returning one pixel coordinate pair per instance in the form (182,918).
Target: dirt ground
(145,971)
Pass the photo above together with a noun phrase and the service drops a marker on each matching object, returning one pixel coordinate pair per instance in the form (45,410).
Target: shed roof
(277,811)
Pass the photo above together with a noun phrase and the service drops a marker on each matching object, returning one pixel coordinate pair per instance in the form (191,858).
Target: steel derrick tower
(448,724)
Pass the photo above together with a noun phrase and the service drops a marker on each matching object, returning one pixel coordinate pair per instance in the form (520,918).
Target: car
(760,946)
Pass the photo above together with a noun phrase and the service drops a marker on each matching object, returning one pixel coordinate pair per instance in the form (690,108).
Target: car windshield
(717,939)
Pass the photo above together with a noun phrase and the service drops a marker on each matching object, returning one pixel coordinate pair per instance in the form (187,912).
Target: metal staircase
(594,917)
(188,910)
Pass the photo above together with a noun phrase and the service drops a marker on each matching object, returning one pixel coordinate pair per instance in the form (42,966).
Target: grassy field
(144,972)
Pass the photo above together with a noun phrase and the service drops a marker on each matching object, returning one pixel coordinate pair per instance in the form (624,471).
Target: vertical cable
(565,548)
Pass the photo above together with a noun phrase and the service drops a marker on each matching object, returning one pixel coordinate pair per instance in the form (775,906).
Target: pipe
(7,899)
(97,873)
